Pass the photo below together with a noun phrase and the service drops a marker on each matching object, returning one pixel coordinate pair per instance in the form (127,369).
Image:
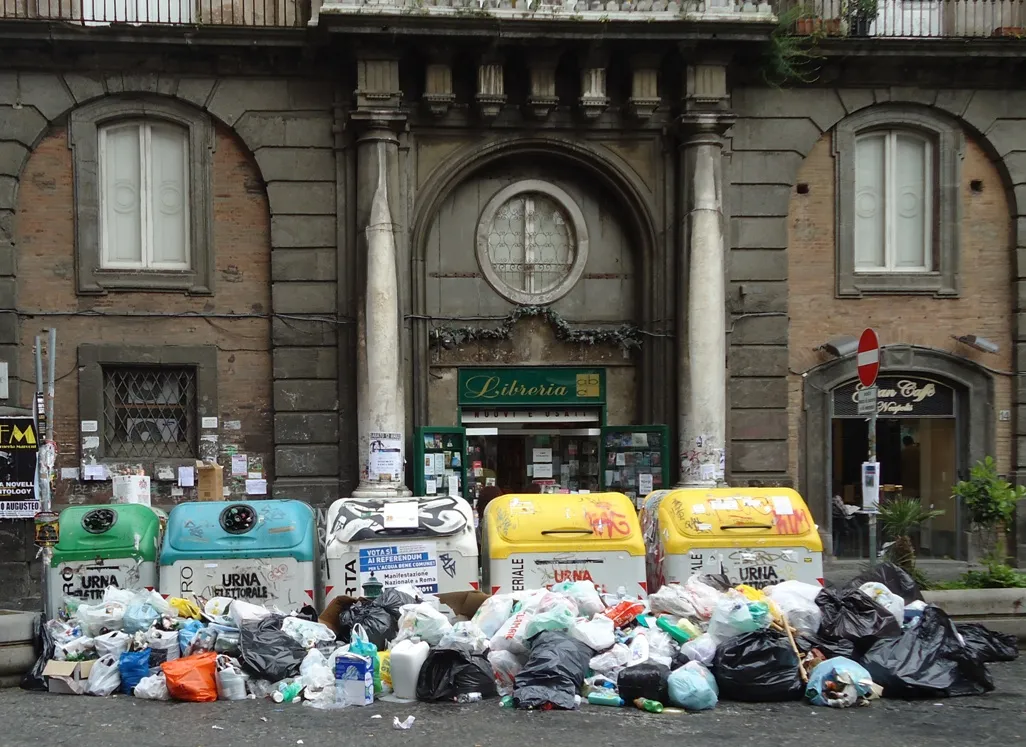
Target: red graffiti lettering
(575,574)
(792,524)
(604,521)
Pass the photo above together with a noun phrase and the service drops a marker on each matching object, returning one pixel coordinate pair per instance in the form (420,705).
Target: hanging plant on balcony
(790,57)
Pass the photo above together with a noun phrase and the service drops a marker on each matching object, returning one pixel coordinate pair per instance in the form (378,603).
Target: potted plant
(900,517)
(810,22)
(861,15)
(990,504)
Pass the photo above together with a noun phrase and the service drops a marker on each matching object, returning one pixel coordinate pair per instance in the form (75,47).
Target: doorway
(918,459)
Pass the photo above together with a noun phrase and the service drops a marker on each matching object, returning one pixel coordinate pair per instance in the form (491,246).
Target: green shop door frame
(640,446)
(443,439)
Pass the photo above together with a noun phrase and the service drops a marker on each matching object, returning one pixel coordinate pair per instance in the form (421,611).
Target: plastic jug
(407,659)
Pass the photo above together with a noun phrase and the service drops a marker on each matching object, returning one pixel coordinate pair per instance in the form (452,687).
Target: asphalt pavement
(58,720)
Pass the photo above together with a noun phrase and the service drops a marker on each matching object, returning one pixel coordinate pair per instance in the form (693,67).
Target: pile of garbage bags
(685,647)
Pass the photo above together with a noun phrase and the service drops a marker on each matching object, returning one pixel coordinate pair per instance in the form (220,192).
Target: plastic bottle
(507,702)
(677,634)
(644,704)
(288,692)
(607,698)
(469,698)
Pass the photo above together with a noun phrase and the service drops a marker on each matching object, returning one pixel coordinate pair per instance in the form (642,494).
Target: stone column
(703,351)
(380,396)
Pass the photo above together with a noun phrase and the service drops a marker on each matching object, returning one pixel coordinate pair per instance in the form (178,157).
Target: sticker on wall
(240,465)
(90,426)
(187,476)
(91,442)
(208,422)
(94,472)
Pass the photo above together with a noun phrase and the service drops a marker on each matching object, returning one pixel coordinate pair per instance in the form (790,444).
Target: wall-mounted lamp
(840,346)
(979,343)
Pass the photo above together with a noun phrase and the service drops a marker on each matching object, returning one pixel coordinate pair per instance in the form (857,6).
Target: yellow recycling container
(535,540)
(756,536)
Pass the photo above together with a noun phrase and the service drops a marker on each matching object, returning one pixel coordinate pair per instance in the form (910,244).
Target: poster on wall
(18,454)
(386,457)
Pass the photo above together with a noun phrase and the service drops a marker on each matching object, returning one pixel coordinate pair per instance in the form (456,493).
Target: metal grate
(531,244)
(149,412)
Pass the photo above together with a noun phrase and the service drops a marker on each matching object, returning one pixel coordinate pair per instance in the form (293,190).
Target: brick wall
(46,282)
(983,307)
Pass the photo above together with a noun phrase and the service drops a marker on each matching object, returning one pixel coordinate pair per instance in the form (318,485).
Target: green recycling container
(101,546)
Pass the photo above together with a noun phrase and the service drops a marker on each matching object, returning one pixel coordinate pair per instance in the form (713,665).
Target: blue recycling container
(263,552)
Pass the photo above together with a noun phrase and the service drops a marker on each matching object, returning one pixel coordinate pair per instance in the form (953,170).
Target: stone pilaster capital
(704,127)
(377,125)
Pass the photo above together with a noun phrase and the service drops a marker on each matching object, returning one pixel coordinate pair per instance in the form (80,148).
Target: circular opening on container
(99,520)
(238,518)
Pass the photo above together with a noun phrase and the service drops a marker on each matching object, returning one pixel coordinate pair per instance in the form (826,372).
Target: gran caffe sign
(527,387)
(899,397)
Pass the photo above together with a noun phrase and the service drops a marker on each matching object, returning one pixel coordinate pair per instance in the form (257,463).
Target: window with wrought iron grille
(532,242)
(149,412)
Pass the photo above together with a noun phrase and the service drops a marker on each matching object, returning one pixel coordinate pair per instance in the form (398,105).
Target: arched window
(895,191)
(898,202)
(144,196)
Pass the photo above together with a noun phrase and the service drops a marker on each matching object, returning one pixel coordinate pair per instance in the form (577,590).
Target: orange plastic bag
(192,678)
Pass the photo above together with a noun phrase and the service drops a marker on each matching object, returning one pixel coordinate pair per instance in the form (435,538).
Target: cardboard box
(67,677)
(210,481)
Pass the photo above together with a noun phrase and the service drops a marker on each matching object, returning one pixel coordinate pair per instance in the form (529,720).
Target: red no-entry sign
(868,358)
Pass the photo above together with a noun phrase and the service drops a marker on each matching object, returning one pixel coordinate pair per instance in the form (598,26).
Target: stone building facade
(384,202)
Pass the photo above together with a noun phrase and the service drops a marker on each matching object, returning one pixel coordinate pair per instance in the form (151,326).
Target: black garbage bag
(554,672)
(829,649)
(850,615)
(988,645)
(758,667)
(380,624)
(268,652)
(648,680)
(308,613)
(894,577)
(452,670)
(33,679)
(927,661)
(393,600)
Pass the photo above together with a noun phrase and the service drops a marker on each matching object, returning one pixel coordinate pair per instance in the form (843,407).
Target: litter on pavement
(687,646)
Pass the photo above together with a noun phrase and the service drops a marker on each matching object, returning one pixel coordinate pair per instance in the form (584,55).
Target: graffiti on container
(606,521)
(792,524)
(241,586)
(448,564)
(279,573)
(194,529)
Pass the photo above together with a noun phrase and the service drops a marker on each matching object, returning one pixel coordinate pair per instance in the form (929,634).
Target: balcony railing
(906,19)
(241,13)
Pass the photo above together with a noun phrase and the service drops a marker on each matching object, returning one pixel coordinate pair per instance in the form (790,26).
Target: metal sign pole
(872,513)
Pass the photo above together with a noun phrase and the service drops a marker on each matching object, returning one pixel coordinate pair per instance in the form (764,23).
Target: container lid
(564,522)
(240,529)
(736,514)
(418,517)
(106,532)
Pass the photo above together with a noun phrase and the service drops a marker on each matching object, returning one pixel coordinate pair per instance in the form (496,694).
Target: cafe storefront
(935,417)
(538,429)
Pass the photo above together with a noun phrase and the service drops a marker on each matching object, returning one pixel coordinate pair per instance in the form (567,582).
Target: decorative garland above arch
(626,336)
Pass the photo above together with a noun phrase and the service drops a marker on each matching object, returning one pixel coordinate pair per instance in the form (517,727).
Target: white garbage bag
(422,621)
(493,613)
(797,600)
(105,678)
(114,643)
(885,598)
(596,633)
(153,687)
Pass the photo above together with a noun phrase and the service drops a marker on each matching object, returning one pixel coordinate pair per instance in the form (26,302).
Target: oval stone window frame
(580,239)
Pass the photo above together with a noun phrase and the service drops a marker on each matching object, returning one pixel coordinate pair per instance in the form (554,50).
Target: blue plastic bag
(830,670)
(186,633)
(139,617)
(693,688)
(133,666)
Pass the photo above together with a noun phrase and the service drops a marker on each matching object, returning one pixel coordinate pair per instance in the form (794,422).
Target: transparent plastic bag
(307,633)
(104,678)
(732,617)
(556,616)
(701,649)
(466,634)
(493,613)
(423,621)
(139,617)
(705,597)
(202,642)
(505,666)
(100,618)
(885,598)
(676,600)
(231,680)
(114,595)
(217,606)
(797,600)
(315,672)
(584,594)
(612,661)
(361,646)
